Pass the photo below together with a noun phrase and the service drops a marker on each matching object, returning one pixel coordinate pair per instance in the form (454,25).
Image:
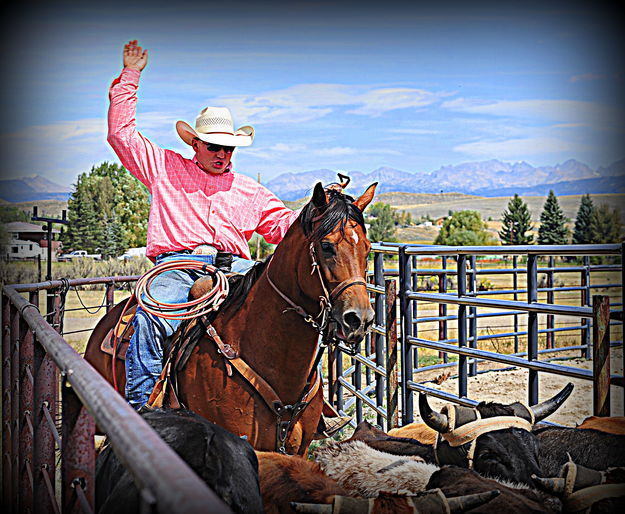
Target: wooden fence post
(392,415)
(601,354)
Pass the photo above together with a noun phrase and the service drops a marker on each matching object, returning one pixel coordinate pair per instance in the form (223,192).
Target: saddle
(122,332)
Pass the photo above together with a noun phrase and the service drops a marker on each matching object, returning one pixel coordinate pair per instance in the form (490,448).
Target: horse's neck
(277,343)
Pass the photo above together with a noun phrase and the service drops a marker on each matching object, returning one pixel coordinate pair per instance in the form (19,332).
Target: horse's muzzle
(354,323)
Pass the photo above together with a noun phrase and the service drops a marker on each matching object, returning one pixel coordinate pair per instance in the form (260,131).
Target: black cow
(224,461)
(590,448)
(510,453)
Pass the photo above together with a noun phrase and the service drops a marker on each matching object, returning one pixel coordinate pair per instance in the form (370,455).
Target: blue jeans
(144,359)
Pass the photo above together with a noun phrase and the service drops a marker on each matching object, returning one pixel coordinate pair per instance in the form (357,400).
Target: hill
(437,206)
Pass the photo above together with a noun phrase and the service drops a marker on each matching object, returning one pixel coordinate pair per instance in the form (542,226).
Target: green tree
(381,223)
(552,230)
(114,241)
(464,228)
(107,211)
(265,247)
(606,226)
(9,213)
(516,222)
(583,233)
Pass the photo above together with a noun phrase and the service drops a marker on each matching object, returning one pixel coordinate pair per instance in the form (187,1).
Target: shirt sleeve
(139,155)
(275,217)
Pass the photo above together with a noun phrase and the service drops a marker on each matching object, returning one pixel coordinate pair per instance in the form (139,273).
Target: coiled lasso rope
(187,310)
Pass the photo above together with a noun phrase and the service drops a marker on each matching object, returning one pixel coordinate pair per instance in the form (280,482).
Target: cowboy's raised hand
(134,57)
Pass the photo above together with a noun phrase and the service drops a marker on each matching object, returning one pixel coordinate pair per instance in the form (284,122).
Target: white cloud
(513,148)
(56,133)
(306,102)
(564,111)
(379,101)
(414,131)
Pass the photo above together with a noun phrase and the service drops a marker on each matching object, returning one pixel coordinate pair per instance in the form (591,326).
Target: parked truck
(78,254)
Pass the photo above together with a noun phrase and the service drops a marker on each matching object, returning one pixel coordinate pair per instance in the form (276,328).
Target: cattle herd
(491,458)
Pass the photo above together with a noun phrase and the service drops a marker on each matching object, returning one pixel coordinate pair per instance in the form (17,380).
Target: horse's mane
(240,285)
(339,209)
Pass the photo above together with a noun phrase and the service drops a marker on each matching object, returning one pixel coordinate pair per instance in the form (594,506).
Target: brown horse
(313,283)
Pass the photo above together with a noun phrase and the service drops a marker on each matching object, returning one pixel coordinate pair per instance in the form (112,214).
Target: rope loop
(192,309)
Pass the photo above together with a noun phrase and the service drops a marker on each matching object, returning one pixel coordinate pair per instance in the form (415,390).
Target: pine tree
(582,233)
(553,230)
(113,243)
(606,226)
(516,222)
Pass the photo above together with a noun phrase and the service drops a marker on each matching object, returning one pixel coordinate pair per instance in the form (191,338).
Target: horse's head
(334,227)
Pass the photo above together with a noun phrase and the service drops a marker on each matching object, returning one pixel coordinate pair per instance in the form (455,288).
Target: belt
(175,252)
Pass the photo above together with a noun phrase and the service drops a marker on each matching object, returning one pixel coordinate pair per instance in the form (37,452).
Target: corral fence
(46,384)
(541,301)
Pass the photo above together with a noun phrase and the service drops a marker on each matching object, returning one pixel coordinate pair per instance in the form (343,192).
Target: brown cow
(285,479)
(418,431)
(610,425)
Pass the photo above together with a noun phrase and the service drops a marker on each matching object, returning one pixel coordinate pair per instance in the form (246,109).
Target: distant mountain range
(31,189)
(486,178)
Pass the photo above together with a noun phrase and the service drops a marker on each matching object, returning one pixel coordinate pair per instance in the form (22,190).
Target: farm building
(27,241)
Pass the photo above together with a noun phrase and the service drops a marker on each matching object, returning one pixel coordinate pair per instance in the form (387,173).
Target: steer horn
(431,418)
(551,485)
(470,501)
(312,508)
(548,407)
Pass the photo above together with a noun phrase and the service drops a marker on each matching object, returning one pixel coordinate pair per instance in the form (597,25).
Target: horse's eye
(328,248)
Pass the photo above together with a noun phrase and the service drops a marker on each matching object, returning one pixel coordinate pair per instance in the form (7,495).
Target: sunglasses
(212,147)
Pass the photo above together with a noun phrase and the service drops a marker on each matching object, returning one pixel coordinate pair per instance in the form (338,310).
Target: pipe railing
(35,357)
(521,300)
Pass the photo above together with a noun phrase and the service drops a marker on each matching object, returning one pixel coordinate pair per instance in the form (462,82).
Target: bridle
(321,321)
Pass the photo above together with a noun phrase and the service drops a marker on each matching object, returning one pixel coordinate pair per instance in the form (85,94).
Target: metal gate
(383,377)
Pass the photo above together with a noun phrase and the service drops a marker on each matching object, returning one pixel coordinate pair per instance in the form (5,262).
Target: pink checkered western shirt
(190,206)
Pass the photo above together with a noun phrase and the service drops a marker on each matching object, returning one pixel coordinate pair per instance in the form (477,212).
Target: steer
(292,484)
(224,461)
(493,439)
(285,479)
(514,498)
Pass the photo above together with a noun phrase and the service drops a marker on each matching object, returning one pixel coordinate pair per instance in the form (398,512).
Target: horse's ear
(366,197)
(319,199)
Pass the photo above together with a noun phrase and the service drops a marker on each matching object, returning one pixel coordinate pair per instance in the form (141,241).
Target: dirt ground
(511,385)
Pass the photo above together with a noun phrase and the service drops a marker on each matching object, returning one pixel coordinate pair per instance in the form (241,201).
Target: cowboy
(201,210)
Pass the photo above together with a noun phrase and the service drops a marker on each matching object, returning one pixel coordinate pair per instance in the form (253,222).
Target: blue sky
(352,86)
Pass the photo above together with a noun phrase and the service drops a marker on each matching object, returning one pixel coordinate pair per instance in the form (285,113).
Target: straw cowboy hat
(214,125)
